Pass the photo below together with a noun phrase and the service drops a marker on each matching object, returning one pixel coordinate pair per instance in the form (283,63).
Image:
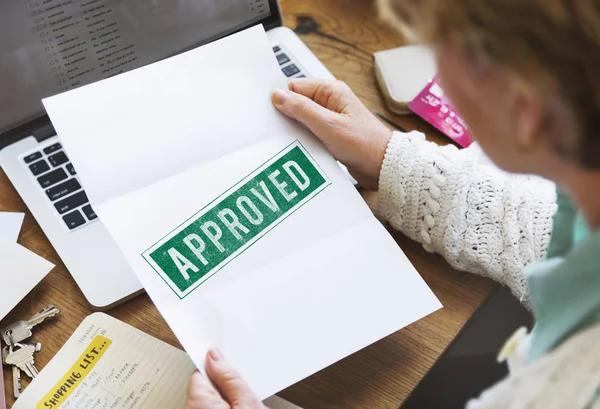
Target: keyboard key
(74,219)
(301,76)
(38,168)
(52,178)
(71,202)
(89,212)
(71,169)
(32,157)
(282,58)
(58,159)
(290,70)
(64,189)
(52,148)
(276,49)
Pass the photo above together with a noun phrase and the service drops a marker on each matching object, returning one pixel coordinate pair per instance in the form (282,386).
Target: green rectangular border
(182,294)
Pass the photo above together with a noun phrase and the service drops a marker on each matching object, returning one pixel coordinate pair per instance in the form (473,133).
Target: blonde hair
(554,44)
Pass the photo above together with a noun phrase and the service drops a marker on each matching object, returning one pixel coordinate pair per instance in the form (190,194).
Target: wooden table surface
(343,34)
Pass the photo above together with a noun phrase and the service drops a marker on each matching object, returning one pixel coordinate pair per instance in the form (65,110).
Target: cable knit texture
(485,221)
(457,203)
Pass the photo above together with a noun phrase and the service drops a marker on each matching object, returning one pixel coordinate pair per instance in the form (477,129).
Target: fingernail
(279,97)
(215,354)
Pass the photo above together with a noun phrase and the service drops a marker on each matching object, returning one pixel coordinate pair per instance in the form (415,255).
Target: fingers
(327,93)
(203,395)
(230,383)
(306,86)
(333,95)
(340,120)
(317,89)
(315,117)
(299,107)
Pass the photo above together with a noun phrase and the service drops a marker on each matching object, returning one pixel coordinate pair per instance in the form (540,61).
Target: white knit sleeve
(456,203)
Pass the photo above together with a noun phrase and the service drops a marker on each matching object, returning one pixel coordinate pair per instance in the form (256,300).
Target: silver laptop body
(51,46)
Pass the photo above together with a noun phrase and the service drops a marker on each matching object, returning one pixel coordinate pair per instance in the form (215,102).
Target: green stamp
(234,221)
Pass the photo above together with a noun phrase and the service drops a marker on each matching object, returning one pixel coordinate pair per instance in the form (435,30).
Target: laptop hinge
(45,132)
(40,128)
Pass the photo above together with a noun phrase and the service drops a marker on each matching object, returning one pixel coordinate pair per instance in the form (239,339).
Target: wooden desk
(344,34)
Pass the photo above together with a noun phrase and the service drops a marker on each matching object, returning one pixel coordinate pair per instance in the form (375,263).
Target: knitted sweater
(487,222)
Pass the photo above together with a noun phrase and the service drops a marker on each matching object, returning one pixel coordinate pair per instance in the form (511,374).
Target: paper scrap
(241,226)
(20,271)
(10,225)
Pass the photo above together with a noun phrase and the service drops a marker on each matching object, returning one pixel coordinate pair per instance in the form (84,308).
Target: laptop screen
(51,46)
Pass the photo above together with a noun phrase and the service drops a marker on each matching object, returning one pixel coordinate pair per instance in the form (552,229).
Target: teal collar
(565,292)
(563,226)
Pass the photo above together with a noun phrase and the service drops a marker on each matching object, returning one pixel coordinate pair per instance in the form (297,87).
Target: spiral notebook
(109,364)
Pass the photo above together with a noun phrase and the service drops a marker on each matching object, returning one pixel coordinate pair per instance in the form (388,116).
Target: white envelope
(159,147)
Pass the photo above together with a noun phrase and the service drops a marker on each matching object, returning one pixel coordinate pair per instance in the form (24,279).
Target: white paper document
(20,271)
(240,225)
(10,225)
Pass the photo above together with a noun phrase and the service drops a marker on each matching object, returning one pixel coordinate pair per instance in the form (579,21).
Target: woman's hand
(337,117)
(230,390)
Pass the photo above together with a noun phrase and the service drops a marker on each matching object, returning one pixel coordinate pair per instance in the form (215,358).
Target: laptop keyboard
(289,68)
(57,176)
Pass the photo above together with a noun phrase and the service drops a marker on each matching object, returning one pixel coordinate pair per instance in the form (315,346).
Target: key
(89,212)
(73,219)
(23,359)
(71,169)
(16,372)
(290,70)
(21,330)
(32,157)
(16,382)
(48,312)
(52,148)
(37,346)
(7,350)
(71,202)
(52,178)
(58,159)
(282,58)
(63,189)
(39,167)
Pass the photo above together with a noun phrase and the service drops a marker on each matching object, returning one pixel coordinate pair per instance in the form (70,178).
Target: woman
(524,75)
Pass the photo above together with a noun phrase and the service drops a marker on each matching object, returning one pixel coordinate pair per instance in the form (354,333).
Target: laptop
(51,46)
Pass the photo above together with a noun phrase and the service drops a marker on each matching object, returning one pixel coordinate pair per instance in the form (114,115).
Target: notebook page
(109,364)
